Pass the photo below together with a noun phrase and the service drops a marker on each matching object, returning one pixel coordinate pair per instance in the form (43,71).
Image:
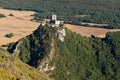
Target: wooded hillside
(74,59)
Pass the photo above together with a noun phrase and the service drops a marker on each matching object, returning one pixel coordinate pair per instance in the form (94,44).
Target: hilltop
(75,57)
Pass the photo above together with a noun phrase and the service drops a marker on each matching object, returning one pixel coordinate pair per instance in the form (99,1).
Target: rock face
(43,65)
(61,34)
(16,50)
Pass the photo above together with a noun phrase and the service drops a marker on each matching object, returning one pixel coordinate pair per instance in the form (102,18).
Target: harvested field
(25,15)
(20,25)
(88,31)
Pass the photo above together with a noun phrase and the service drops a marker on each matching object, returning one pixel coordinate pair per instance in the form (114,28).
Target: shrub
(9,35)
(11,15)
(2,15)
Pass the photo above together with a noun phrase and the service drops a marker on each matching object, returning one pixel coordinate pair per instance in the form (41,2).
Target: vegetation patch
(2,15)
(10,35)
(11,15)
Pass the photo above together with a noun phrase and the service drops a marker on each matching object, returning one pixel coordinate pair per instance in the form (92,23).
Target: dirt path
(88,31)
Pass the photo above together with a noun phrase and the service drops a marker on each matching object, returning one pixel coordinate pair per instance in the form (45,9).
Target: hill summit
(65,55)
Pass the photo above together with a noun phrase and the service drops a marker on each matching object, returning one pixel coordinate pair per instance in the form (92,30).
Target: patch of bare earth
(94,24)
(81,15)
(88,31)
(20,25)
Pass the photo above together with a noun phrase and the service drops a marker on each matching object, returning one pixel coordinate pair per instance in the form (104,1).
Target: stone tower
(53,17)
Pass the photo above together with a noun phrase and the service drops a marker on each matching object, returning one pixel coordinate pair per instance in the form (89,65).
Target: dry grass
(26,15)
(11,68)
(88,31)
(19,24)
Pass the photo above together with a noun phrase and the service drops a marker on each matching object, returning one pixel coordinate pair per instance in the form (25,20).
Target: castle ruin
(53,22)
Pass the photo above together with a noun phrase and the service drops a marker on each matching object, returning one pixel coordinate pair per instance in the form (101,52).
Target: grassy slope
(11,68)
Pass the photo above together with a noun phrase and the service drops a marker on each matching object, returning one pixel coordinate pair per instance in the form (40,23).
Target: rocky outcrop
(61,34)
(43,65)
(16,50)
